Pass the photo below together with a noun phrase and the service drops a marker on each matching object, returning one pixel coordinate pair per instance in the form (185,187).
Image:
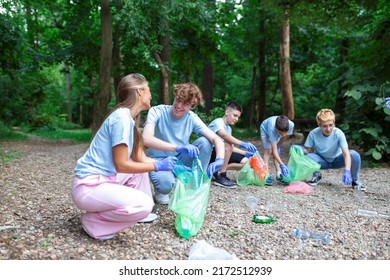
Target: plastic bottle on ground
(370,213)
(274,207)
(305,234)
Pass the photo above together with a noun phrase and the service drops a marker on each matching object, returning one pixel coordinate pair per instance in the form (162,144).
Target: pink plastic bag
(298,187)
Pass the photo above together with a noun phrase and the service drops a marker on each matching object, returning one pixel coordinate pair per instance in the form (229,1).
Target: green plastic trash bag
(254,172)
(300,165)
(190,198)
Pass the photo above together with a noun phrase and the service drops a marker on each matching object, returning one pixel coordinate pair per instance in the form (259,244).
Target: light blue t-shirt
(267,127)
(117,129)
(172,130)
(329,147)
(218,124)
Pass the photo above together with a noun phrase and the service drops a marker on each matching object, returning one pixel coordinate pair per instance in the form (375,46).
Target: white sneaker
(149,218)
(161,198)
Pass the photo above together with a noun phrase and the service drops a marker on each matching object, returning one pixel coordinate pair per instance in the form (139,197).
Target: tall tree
(104,93)
(284,65)
(262,66)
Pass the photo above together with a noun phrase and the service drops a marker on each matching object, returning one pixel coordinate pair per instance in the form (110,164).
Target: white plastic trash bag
(204,251)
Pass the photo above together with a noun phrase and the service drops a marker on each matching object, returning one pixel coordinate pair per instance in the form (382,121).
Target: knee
(165,185)
(204,144)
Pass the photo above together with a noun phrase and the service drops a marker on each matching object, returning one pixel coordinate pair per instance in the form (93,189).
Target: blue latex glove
(284,170)
(249,154)
(248,146)
(214,167)
(347,179)
(387,102)
(165,164)
(191,150)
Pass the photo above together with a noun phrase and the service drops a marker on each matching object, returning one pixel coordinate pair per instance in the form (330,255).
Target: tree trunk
(253,110)
(165,77)
(67,92)
(284,61)
(116,61)
(104,94)
(208,85)
(342,87)
(208,72)
(262,68)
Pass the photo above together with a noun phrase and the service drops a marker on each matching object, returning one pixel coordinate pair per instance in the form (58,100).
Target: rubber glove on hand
(347,179)
(214,167)
(248,146)
(249,154)
(387,102)
(284,170)
(191,150)
(165,164)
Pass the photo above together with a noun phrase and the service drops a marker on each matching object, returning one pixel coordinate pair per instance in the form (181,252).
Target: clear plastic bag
(204,251)
(190,198)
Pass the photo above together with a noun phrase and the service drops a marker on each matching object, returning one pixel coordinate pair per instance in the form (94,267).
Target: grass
(6,156)
(8,134)
(83,135)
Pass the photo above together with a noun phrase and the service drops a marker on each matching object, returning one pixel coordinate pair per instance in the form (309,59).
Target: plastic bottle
(305,234)
(370,213)
(251,202)
(274,207)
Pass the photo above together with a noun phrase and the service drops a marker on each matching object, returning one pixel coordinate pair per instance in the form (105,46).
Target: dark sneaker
(357,185)
(223,182)
(268,181)
(282,179)
(317,176)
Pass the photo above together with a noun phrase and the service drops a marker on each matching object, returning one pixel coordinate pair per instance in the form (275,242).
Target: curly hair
(188,93)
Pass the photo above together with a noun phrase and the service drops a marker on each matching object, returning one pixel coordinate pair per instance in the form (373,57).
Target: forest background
(60,61)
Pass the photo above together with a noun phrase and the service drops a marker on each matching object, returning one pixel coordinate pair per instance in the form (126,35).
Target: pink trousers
(112,203)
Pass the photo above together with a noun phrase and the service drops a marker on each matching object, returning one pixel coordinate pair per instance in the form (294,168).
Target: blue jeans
(164,181)
(339,163)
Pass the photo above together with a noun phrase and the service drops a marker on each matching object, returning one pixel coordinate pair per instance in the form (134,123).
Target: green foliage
(367,120)
(8,134)
(83,135)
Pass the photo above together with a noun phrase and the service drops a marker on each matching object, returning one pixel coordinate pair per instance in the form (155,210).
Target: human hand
(165,164)
(191,150)
(249,154)
(347,179)
(248,146)
(214,167)
(284,169)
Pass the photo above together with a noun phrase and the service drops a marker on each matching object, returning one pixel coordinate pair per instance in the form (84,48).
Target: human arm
(219,150)
(242,152)
(347,178)
(275,153)
(233,140)
(123,165)
(153,142)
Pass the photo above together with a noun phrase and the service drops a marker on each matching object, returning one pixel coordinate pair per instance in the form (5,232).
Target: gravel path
(38,220)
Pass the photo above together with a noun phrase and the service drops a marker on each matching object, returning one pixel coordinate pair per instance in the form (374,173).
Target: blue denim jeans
(164,181)
(339,163)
